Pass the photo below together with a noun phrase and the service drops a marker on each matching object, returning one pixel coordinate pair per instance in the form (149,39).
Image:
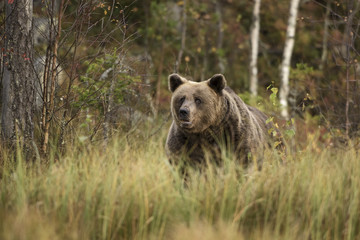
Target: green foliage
(273,96)
(153,30)
(290,133)
(301,72)
(251,100)
(160,25)
(103,76)
(289,130)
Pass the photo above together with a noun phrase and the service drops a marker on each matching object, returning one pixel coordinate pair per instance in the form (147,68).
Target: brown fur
(217,119)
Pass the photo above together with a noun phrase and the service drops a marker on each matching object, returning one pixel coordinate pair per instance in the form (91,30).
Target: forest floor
(130,191)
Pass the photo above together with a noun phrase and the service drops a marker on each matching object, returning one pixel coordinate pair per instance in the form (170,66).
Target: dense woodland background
(106,65)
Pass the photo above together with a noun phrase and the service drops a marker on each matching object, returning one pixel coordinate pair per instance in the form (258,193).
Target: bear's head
(196,106)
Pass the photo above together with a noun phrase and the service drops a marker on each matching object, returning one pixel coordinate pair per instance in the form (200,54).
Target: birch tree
(255,29)
(18,92)
(288,49)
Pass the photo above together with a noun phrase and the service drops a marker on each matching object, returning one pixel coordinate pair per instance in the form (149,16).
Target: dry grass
(131,192)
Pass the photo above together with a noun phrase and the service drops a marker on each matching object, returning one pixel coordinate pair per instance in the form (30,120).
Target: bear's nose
(183,113)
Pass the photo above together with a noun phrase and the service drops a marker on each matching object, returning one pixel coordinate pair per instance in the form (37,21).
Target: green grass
(129,191)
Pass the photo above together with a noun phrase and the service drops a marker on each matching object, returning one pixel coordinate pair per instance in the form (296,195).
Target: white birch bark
(285,66)
(255,29)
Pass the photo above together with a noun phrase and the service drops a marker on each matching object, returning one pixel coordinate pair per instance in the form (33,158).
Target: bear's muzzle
(184,114)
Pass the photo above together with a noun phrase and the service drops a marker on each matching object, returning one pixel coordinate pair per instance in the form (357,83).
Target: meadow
(130,191)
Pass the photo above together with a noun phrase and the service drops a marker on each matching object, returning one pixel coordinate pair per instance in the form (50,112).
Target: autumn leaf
(277,143)
(269,120)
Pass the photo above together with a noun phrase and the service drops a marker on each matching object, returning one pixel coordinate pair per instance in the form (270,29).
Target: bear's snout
(184,114)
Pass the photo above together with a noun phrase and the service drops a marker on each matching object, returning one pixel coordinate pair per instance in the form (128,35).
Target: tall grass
(129,191)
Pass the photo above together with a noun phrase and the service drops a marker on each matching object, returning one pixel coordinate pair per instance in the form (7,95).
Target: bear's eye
(182,100)
(197,101)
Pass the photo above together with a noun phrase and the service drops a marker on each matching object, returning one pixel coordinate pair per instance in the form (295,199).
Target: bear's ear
(175,81)
(217,82)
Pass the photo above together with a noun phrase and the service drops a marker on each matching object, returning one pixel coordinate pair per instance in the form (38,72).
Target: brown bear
(209,117)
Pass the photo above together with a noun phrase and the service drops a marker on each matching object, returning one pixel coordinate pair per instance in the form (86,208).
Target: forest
(85,113)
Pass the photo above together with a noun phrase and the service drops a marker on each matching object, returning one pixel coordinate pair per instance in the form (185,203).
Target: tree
(325,35)
(220,39)
(183,37)
(285,66)
(349,39)
(18,92)
(50,72)
(255,29)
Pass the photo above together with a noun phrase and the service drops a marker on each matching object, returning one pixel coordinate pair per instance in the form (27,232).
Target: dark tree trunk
(220,39)
(18,92)
(183,37)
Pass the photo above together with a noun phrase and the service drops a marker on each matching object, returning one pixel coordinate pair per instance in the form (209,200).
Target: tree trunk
(205,62)
(65,119)
(148,59)
(220,40)
(285,66)
(18,92)
(255,29)
(50,80)
(349,38)
(108,108)
(183,37)
(159,72)
(326,35)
